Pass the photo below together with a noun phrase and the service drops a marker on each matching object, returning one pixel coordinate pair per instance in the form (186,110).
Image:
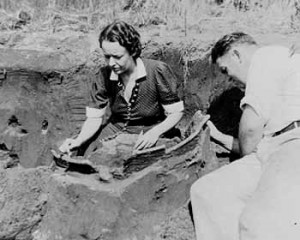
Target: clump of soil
(179,226)
(22,202)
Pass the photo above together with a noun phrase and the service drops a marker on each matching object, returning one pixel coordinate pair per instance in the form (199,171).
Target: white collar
(141,71)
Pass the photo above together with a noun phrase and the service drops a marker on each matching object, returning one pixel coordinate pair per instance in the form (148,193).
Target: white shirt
(273,87)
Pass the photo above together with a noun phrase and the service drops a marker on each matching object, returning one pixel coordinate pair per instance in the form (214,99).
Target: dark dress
(144,109)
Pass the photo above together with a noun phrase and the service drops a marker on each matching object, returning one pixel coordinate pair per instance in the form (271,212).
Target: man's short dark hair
(125,35)
(225,44)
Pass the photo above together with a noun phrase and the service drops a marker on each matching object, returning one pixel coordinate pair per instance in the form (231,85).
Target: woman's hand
(146,140)
(68,145)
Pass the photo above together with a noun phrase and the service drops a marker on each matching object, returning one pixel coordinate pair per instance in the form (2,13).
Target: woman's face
(117,57)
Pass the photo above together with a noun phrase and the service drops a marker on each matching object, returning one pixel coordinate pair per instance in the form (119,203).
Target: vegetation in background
(185,15)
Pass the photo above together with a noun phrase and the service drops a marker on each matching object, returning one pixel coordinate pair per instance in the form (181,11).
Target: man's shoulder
(269,65)
(272,52)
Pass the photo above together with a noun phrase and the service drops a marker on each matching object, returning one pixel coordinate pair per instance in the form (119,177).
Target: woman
(141,93)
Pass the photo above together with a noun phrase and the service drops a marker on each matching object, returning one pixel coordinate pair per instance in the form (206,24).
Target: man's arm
(228,142)
(250,130)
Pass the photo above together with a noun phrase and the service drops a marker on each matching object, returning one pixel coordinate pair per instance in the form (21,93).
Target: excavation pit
(41,105)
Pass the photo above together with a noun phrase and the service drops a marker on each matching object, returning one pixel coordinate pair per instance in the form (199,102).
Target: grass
(183,15)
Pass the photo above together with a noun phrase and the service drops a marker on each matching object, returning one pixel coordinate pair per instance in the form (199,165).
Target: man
(258,196)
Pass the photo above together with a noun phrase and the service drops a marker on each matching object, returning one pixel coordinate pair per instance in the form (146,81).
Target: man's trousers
(254,198)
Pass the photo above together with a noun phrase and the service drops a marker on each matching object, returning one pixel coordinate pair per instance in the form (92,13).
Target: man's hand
(214,132)
(68,145)
(227,141)
(146,140)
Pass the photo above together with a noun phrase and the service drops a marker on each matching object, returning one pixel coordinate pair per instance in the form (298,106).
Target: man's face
(117,57)
(232,64)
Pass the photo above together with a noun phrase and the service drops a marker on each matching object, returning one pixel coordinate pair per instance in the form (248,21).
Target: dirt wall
(75,207)
(202,86)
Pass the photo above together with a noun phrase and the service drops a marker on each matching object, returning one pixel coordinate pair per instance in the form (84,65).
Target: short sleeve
(166,85)
(98,91)
(98,99)
(173,108)
(261,87)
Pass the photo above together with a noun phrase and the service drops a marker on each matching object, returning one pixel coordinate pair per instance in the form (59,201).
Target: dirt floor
(75,40)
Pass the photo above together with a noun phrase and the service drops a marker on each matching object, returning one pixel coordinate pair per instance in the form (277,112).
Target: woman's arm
(90,126)
(88,129)
(150,138)
(167,95)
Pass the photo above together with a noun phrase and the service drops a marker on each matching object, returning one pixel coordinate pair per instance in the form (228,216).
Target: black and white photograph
(149,119)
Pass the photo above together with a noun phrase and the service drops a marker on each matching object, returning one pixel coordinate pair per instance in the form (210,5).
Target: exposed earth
(50,52)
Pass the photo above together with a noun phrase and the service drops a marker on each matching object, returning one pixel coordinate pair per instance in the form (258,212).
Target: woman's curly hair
(125,35)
